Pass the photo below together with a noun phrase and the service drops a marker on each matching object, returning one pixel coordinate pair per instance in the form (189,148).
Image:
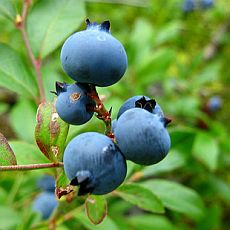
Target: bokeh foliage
(179,59)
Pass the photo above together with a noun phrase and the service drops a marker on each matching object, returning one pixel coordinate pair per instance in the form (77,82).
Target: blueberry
(46,183)
(73,105)
(114,123)
(93,162)
(44,204)
(142,136)
(206,4)
(188,6)
(94,56)
(141,101)
(214,104)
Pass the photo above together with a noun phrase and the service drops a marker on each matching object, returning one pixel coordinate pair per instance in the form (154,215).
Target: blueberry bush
(114,114)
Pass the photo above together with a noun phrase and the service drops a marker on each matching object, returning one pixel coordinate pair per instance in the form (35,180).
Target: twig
(102,113)
(20,24)
(30,166)
(215,44)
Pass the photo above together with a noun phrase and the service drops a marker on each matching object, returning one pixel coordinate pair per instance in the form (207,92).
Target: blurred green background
(180,59)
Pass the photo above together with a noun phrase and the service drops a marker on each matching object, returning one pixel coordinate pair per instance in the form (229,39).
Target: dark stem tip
(110,111)
(54,92)
(105,25)
(166,121)
(148,105)
(87,22)
(60,87)
(84,180)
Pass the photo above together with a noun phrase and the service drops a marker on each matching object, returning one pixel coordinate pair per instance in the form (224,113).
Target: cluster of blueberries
(93,161)
(46,202)
(191,5)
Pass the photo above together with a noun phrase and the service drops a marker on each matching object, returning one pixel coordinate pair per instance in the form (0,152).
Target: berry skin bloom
(142,136)
(73,105)
(94,56)
(93,162)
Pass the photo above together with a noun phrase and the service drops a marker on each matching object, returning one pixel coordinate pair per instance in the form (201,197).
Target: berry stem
(30,166)
(102,113)
(20,24)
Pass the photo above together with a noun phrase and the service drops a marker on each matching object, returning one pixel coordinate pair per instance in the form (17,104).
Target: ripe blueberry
(206,4)
(114,123)
(46,183)
(44,204)
(94,56)
(141,102)
(188,6)
(142,136)
(94,163)
(73,105)
(214,104)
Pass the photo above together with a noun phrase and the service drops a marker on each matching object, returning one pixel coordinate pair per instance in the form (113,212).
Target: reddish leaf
(96,208)
(50,132)
(7,156)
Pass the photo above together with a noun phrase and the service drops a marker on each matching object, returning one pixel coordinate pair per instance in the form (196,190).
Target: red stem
(102,112)
(20,24)
(30,166)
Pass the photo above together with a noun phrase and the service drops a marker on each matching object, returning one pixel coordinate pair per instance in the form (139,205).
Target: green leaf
(50,70)
(27,153)
(130,168)
(73,207)
(168,33)
(50,22)
(62,185)
(174,160)
(140,196)
(118,208)
(7,9)
(212,219)
(96,208)
(140,47)
(182,139)
(209,74)
(177,197)
(62,180)
(219,187)
(190,110)
(3,196)
(205,149)
(50,132)
(3,107)
(7,156)
(108,223)
(14,75)
(23,122)
(6,222)
(150,222)
(155,63)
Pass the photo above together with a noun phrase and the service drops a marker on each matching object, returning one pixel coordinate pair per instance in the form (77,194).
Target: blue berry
(188,6)
(114,124)
(73,105)
(142,136)
(44,204)
(94,56)
(141,101)
(214,104)
(46,183)
(206,4)
(94,163)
